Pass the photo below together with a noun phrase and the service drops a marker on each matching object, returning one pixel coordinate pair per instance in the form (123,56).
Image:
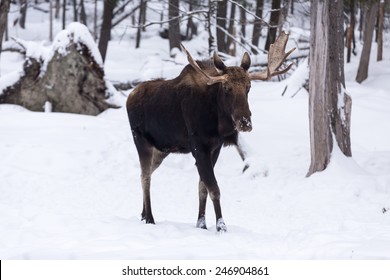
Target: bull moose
(198,112)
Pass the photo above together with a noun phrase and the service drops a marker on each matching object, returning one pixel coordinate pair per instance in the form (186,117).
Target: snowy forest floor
(70,186)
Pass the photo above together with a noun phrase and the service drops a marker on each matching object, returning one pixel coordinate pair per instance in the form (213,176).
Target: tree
(351,30)
(257,25)
(141,20)
(221,26)
(273,23)
(362,73)
(105,32)
(329,104)
(174,24)
(380,30)
(23,12)
(4,8)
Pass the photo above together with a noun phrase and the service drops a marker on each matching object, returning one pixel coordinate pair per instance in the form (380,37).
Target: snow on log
(69,74)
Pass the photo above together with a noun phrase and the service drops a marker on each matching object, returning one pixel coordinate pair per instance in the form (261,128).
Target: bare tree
(4,8)
(174,24)
(74,10)
(257,25)
(141,20)
(63,14)
(351,30)
(362,73)
(83,14)
(57,13)
(273,23)
(221,26)
(105,32)
(380,30)
(51,20)
(23,12)
(231,30)
(243,21)
(329,104)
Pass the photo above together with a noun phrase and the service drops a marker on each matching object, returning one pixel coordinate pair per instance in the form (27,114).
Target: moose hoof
(245,168)
(148,220)
(221,227)
(201,223)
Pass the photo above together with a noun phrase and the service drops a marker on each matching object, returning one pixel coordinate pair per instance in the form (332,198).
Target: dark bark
(210,16)
(362,73)
(229,40)
(351,30)
(4,8)
(243,22)
(380,31)
(74,10)
(257,25)
(191,27)
(57,13)
(141,14)
(23,12)
(105,32)
(221,26)
(174,24)
(83,14)
(273,23)
(63,14)
(329,104)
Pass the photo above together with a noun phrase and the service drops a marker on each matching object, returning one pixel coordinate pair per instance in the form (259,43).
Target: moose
(198,112)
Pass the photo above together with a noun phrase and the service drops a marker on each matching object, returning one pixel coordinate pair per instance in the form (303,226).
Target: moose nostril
(245,124)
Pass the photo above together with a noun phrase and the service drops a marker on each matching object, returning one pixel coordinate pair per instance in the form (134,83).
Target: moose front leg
(208,184)
(201,223)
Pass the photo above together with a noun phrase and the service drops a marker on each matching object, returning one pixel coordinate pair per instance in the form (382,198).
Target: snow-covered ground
(70,186)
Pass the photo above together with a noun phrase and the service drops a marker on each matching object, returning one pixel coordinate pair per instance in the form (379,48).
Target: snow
(70,184)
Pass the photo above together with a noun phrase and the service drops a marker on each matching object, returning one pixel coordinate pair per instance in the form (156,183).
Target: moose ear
(218,62)
(246,61)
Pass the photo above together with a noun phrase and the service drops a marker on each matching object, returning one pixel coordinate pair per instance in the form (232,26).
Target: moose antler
(276,57)
(210,80)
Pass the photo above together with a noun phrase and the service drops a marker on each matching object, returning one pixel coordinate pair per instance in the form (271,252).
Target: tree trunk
(362,73)
(257,25)
(229,40)
(174,24)
(273,24)
(105,32)
(95,21)
(51,21)
(329,104)
(74,10)
(380,30)
(351,30)
(221,23)
(140,21)
(243,22)
(210,16)
(57,14)
(63,14)
(4,8)
(83,14)
(23,12)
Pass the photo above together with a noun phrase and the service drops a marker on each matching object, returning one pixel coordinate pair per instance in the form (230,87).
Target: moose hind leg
(145,153)
(152,158)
